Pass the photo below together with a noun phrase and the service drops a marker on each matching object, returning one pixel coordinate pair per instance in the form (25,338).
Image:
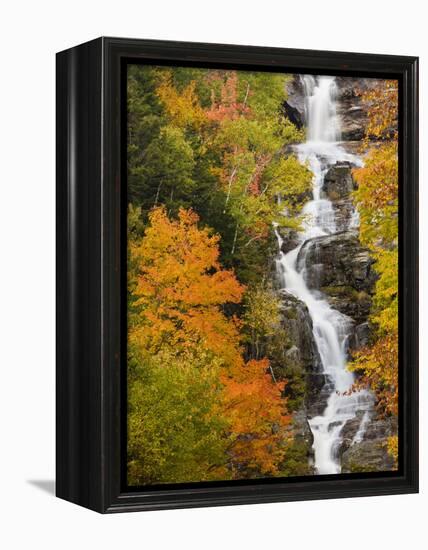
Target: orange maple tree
(180,287)
(257,413)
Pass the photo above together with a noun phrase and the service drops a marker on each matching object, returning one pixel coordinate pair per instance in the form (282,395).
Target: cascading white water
(330,327)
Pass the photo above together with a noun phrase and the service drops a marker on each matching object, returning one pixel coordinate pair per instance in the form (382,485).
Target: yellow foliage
(183,108)
(382,110)
(392,446)
(377,201)
(377,195)
(379,365)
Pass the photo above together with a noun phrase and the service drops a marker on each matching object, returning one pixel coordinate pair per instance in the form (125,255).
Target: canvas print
(262,261)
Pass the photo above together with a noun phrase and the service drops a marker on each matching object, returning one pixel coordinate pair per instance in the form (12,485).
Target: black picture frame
(90,174)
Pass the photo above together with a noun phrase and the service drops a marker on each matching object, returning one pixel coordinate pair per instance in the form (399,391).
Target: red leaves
(227,107)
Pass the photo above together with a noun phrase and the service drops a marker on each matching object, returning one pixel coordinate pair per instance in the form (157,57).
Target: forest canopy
(206,168)
(215,383)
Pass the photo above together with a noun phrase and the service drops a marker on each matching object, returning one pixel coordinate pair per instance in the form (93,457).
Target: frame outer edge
(88,343)
(79,428)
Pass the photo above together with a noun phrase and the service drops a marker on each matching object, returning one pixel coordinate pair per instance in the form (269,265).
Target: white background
(30,34)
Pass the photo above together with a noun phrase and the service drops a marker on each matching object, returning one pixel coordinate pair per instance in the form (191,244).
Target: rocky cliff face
(301,356)
(350,109)
(294,357)
(297,324)
(337,265)
(294,107)
(337,186)
(338,181)
(369,454)
(342,270)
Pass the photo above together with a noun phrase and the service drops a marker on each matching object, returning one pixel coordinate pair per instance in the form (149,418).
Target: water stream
(331,328)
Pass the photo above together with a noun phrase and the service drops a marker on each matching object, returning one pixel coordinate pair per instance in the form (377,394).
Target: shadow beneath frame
(46,485)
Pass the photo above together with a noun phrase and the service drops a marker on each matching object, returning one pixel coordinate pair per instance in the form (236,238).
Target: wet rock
(351,427)
(381,428)
(354,304)
(367,456)
(351,109)
(349,431)
(338,181)
(344,213)
(319,388)
(337,260)
(293,114)
(371,454)
(296,99)
(297,358)
(297,324)
(360,336)
(342,270)
(290,239)
(353,121)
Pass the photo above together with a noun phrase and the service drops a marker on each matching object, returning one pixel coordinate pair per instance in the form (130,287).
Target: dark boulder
(293,114)
(353,120)
(342,270)
(300,347)
(290,239)
(338,181)
(296,98)
(319,388)
(337,260)
(349,431)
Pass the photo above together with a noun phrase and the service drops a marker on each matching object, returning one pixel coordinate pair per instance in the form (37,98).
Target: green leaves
(167,169)
(173,435)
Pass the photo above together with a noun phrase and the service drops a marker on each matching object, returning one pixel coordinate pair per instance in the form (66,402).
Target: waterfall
(331,328)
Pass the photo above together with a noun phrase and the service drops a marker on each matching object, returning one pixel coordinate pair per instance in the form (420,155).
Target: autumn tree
(214,140)
(377,200)
(205,150)
(186,368)
(182,107)
(178,341)
(256,411)
(250,134)
(179,288)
